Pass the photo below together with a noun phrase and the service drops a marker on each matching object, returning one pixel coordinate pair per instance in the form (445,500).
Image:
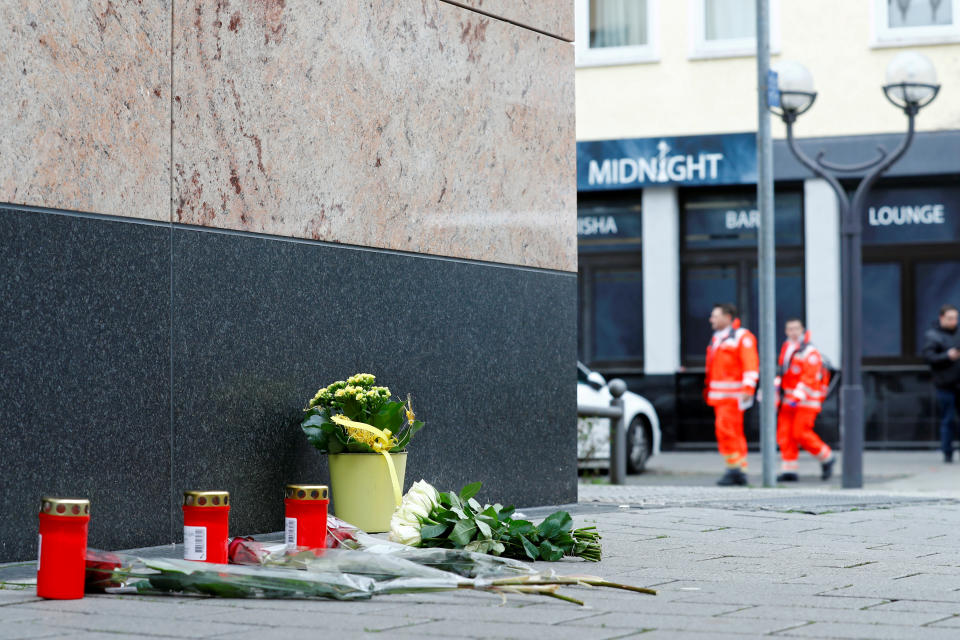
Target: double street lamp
(911,84)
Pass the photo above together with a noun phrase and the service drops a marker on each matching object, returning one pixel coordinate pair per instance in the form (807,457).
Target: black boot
(788,476)
(826,468)
(948,457)
(733,478)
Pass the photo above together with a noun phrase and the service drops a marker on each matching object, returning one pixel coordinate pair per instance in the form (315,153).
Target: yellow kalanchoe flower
(363,379)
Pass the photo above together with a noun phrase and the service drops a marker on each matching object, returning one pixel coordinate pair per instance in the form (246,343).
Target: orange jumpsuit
(802,386)
(732,371)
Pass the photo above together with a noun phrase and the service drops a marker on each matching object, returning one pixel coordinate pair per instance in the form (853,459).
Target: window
(729,20)
(910,22)
(703,287)
(935,284)
(881,301)
(728,28)
(789,291)
(613,32)
(617,314)
(611,311)
(610,284)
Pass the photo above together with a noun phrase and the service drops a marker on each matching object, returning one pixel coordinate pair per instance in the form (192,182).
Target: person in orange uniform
(802,386)
(731,382)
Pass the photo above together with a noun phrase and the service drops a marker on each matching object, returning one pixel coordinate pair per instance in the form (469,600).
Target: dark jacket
(936,342)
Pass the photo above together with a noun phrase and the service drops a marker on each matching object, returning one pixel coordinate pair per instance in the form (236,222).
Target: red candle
(206,524)
(62,553)
(306,511)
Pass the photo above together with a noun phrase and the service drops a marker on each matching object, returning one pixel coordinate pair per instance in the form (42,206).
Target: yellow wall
(678,96)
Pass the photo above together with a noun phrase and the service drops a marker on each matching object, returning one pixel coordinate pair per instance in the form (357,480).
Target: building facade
(666,96)
(209,210)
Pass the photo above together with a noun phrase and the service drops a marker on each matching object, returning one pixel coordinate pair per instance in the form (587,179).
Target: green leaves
(463,532)
(555,523)
(316,436)
(529,548)
(460,521)
(521,528)
(550,552)
(433,530)
(390,417)
(470,490)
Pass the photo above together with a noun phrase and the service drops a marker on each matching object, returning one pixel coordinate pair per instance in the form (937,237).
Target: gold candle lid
(306,491)
(206,498)
(64,506)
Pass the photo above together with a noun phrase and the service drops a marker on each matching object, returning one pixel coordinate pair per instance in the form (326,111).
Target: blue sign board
(727,220)
(912,215)
(606,165)
(609,229)
(773,89)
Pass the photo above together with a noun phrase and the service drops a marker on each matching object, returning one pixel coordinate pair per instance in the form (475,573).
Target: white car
(593,434)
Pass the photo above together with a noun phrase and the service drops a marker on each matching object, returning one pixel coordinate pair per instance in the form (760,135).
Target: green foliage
(359,400)
(460,522)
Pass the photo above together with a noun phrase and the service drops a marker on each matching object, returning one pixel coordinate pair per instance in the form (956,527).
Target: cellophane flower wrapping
(359,566)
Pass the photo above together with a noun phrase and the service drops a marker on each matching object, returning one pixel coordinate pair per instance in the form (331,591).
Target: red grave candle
(206,524)
(306,515)
(62,552)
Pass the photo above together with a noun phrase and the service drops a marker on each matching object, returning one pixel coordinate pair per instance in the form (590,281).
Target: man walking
(941,350)
(731,381)
(802,387)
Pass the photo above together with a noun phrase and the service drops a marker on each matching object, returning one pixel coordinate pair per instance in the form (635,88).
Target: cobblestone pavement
(724,567)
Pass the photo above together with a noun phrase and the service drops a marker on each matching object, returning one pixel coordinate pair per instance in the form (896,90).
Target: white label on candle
(194,543)
(291,533)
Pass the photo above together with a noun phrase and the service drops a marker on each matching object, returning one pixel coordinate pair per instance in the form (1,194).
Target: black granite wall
(140,359)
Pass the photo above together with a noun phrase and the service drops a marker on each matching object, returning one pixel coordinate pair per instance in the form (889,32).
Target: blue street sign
(773,89)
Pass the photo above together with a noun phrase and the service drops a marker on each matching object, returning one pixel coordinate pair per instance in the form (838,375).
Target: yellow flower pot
(362,489)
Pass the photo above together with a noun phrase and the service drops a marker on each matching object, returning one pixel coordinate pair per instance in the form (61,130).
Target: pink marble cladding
(419,126)
(550,16)
(86,117)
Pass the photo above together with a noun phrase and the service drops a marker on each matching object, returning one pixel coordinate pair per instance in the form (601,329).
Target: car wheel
(638,446)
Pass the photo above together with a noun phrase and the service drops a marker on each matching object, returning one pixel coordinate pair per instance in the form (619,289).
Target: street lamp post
(911,84)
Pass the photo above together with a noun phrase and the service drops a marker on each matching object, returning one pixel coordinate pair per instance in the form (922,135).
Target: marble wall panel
(86,117)
(550,16)
(420,126)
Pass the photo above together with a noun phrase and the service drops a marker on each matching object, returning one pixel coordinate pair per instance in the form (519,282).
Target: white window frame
(883,36)
(609,56)
(701,48)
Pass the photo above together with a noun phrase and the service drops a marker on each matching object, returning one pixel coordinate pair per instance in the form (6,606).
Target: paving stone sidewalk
(723,568)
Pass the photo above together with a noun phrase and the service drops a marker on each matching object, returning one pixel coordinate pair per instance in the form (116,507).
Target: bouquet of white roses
(428,518)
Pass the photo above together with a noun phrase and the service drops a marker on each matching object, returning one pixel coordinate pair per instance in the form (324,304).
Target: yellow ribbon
(382,443)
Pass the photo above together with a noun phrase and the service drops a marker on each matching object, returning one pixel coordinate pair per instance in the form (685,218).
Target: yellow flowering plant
(340,416)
